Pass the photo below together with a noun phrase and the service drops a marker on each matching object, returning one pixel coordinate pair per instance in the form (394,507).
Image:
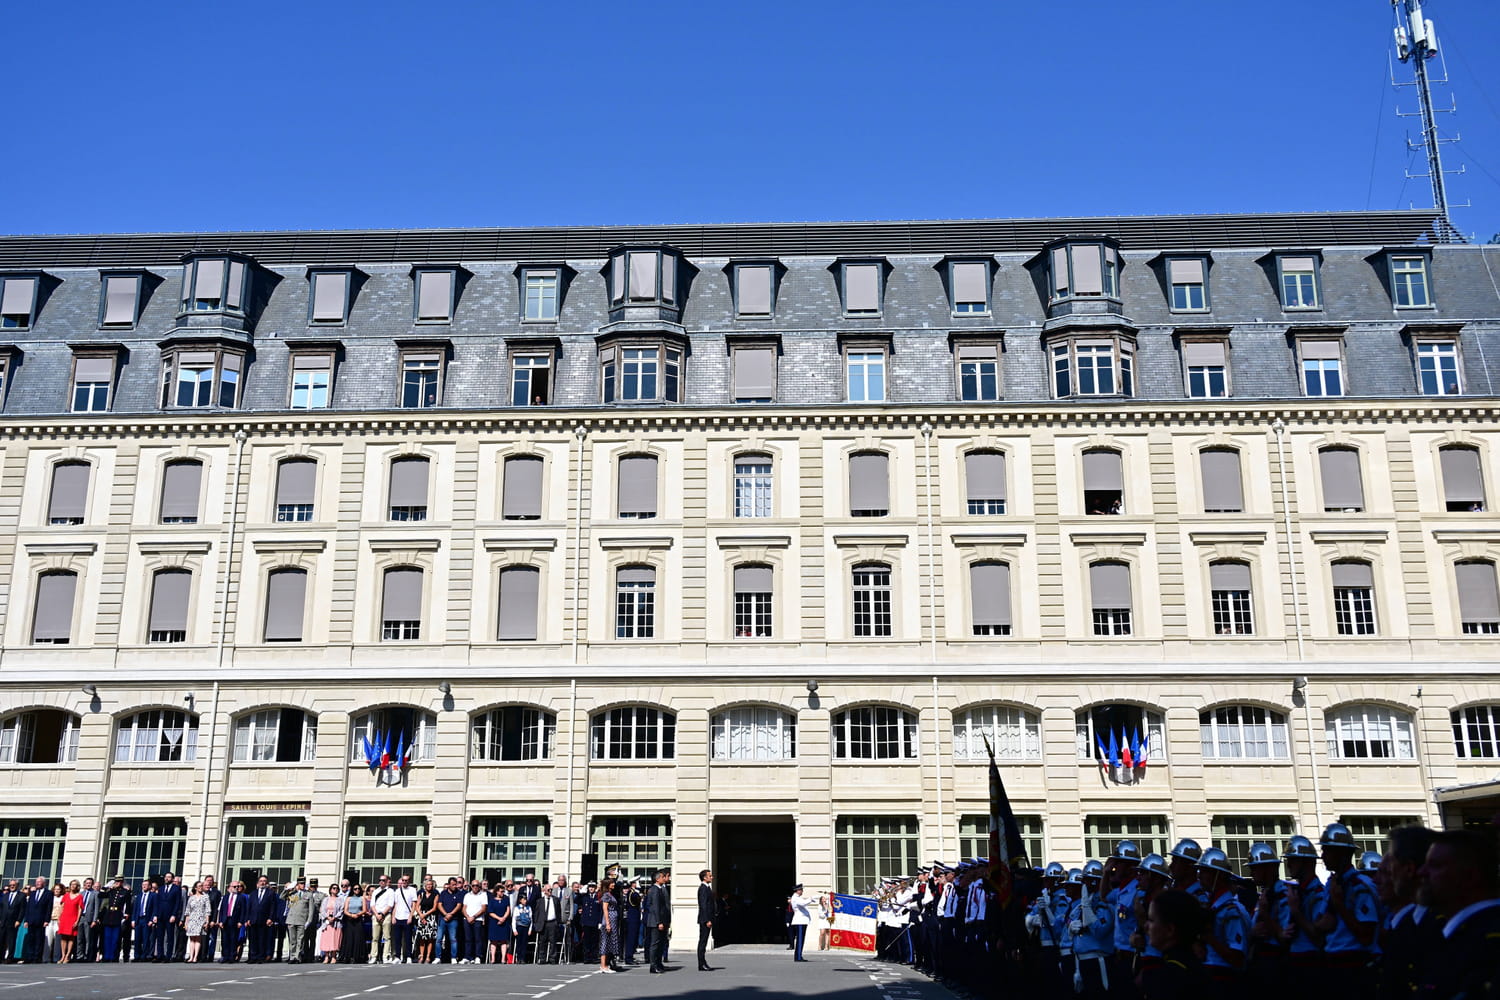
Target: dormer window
(862,284)
(1084,270)
(643,275)
(754,290)
(1093,366)
(641,372)
(215,284)
(1187,281)
(17,301)
(436,290)
(541,294)
(328,303)
(1410,285)
(1298,279)
(969,284)
(119,301)
(201,377)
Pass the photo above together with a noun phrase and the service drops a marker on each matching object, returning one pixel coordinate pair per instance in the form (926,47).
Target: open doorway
(755,865)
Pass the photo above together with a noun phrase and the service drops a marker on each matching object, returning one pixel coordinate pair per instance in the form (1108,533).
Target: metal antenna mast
(1416,42)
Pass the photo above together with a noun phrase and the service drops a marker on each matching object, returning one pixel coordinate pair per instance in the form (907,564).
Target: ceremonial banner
(853,923)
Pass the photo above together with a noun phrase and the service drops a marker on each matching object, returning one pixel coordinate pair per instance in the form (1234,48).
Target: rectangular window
(312,381)
(1437,368)
(752,486)
(754,374)
(32,847)
(753,290)
(1463,480)
(521,498)
(120,300)
(1223,493)
(1299,282)
(409,489)
(643,265)
(971,288)
(401,605)
(1235,834)
(1478,598)
(92,379)
(974,836)
(70,493)
(866,370)
(531,379)
(978,372)
(171,591)
(1321,367)
(286,604)
(1409,282)
(296,480)
(1102,833)
(636,491)
(1371,832)
(1207,368)
(1188,279)
(1232,612)
(1353,598)
(635,603)
(989,598)
(638,373)
(509,847)
(520,587)
(273,846)
(869,849)
(330,297)
(752,602)
(872,602)
(181,490)
(52,623)
(202,378)
(17,303)
(138,848)
(1089,368)
(984,482)
(541,296)
(393,846)
(869,484)
(421,380)
(638,844)
(1109,588)
(434,296)
(862,289)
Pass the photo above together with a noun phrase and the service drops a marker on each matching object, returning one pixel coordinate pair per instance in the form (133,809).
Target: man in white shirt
(402,927)
(381,901)
(475,933)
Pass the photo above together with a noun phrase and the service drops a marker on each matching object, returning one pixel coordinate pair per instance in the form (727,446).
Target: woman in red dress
(67,924)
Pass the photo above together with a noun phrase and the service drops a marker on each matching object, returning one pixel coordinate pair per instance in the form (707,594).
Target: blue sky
(208,115)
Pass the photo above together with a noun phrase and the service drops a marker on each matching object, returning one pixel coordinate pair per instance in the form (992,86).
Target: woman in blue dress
(499,930)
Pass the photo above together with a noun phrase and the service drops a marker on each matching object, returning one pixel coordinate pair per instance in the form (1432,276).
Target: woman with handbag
(332,926)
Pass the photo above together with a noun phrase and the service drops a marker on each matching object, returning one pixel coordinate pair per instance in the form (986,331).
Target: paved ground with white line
(764,974)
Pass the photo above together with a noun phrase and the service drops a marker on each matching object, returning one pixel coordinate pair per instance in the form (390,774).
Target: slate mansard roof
(808,321)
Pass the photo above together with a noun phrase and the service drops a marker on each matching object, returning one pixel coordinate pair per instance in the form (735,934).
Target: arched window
(633,732)
(635,602)
(515,732)
(1476,732)
(1232,732)
(754,732)
(752,486)
(171,590)
(52,621)
(157,736)
(41,736)
(386,731)
(408,497)
(874,732)
(871,601)
(276,735)
(1357,732)
(70,493)
(1229,592)
(1103,482)
(1013,733)
(296,483)
(753,601)
(1343,488)
(1478,597)
(1353,597)
(984,482)
(1103,733)
(181,486)
(1463,478)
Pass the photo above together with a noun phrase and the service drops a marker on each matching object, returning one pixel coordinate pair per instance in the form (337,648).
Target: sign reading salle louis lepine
(266,807)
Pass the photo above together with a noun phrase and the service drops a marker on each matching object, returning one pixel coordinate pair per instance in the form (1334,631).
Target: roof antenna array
(1416,42)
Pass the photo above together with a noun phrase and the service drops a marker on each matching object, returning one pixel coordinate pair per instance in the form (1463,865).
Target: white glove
(1075,926)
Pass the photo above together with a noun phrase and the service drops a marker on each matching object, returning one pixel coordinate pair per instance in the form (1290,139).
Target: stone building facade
(572,521)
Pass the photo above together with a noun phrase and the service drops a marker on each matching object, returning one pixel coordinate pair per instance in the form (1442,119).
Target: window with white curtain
(754,732)
(276,735)
(391,729)
(1356,732)
(157,737)
(1014,733)
(875,732)
(1232,732)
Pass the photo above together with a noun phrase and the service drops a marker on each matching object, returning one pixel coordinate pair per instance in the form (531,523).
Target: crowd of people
(1420,920)
(391,920)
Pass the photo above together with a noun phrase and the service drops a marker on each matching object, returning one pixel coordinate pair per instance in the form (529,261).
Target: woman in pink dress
(331,932)
(67,921)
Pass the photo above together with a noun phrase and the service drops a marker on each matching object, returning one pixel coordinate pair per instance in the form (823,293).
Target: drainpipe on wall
(213,713)
(572,753)
(932,624)
(1299,685)
(580,432)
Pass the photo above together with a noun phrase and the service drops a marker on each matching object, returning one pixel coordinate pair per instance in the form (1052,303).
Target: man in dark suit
(170,903)
(708,904)
(231,917)
(658,918)
(12,909)
(262,920)
(38,912)
(143,921)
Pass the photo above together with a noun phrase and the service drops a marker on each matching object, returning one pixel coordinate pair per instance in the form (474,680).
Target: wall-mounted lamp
(1419,690)
(1299,684)
(91,690)
(812,687)
(445,688)
(188,700)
